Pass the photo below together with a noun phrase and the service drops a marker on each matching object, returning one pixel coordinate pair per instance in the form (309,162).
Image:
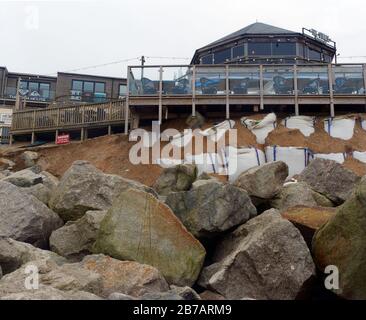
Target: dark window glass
(122,89)
(207,59)
(23,85)
(77,85)
(314,55)
(327,58)
(238,51)
(284,49)
(222,56)
(88,86)
(33,86)
(259,49)
(100,87)
(44,90)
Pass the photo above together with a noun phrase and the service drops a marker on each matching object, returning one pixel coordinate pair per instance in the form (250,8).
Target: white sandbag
(181,140)
(261,128)
(217,131)
(340,127)
(338,157)
(361,156)
(363,124)
(206,162)
(240,160)
(148,138)
(169,163)
(304,123)
(297,159)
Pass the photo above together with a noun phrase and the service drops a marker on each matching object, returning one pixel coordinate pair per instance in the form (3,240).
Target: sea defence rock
(141,228)
(341,243)
(83,187)
(330,179)
(266,258)
(265,181)
(29,158)
(25,218)
(24,178)
(211,208)
(175,179)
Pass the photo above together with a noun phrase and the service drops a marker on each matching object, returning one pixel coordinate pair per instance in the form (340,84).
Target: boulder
(341,243)
(83,187)
(29,158)
(265,181)
(76,238)
(6,164)
(25,218)
(49,180)
(330,179)
(126,277)
(211,208)
(266,258)
(120,297)
(24,178)
(196,121)
(211,296)
(39,191)
(175,179)
(141,228)
(14,254)
(308,219)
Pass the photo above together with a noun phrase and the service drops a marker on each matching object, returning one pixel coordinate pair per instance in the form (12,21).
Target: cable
(171,58)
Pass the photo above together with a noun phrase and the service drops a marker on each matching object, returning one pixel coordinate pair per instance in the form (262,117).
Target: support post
(10,140)
(364,82)
(127,107)
(56,136)
(82,134)
(331,95)
(33,137)
(261,86)
(109,130)
(160,95)
(297,112)
(193,91)
(227,93)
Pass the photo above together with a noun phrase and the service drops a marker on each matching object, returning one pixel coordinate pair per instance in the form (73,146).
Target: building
(261,43)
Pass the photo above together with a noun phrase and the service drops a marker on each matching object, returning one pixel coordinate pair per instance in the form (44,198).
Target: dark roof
(255,28)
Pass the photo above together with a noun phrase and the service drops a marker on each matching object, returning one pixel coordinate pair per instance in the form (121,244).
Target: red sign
(63,139)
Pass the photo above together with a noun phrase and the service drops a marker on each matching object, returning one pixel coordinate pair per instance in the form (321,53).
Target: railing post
(33,127)
(127,106)
(193,91)
(261,86)
(331,95)
(296,92)
(227,92)
(364,81)
(160,95)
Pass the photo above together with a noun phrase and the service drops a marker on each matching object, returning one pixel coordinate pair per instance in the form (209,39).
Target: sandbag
(182,139)
(206,162)
(240,160)
(305,124)
(296,158)
(338,157)
(360,156)
(341,128)
(218,131)
(168,163)
(260,128)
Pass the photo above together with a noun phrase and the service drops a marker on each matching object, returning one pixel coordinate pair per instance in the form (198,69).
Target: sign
(319,36)
(63,139)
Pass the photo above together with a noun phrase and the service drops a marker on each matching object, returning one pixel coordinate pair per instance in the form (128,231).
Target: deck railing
(69,117)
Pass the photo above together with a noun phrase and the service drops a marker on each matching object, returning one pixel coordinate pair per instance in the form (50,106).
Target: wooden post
(10,140)
(261,86)
(33,137)
(227,93)
(364,82)
(297,112)
(56,136)
(82,134)
(193,91)
(331,95)
(160,96)
(127,107)
(109,130)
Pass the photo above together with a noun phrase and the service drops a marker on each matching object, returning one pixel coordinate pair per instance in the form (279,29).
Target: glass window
(244,81)
(314,55)
(77,85)
(238,51)
(33,86)
(44,90)
(222,56)
(100,87)
(259,49)
(207,59)
(284,49)
(210,80)
(313,80)
(122,89)
(23,85)
(278,81)
(88,86)
(348,80)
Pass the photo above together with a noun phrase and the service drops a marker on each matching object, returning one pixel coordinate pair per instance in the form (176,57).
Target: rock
(5,173)
(25,218)
(308,219)
(209,295)
(292,195)
(322,201)
(330,179)
(156,296)
(120,296)
(24,178)
(175,179)
(127,277)
(49,180)
(40,191)
(141,228)
(2,176)
(195,122)
(29,158)
(6,164)
(186,293)
(206,176)
(341,243)
(37,169)
(83,187)
(76,238)
(266,258)
(1,272)
(13,254)
(211,208)
(265,181)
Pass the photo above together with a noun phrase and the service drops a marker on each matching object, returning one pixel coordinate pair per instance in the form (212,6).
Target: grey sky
(45,37)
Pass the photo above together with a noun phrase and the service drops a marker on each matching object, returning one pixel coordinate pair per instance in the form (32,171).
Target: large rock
(308,219)
(25,218)
(24,178)
(341,243)
(265,181)
(83,187)
(76,238)
(211,208)
(127,277)
(175,179)
(49,180)
(266,258)
(39,191)
(330,179)
(196,121)
(29,158)
(13,254)
(139,227)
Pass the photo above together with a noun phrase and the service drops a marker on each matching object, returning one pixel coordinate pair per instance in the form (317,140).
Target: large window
(314,55)
(238,51)
(122,90)
(259,49)
(223,56)
(88,91)
(207,59)
(284,49)
(34,90)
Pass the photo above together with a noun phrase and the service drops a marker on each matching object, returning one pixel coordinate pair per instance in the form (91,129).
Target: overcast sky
(48,36)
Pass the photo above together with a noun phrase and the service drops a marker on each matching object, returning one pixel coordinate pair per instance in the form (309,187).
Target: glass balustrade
(244,81)
(210,80)
(278,80)
(348,79)
(313,80)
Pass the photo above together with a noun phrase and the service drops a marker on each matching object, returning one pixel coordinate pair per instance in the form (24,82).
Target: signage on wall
(63,139)
(318,36)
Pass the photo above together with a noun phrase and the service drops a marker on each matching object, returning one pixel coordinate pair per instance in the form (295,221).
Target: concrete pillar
(56,135)
(109,130)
